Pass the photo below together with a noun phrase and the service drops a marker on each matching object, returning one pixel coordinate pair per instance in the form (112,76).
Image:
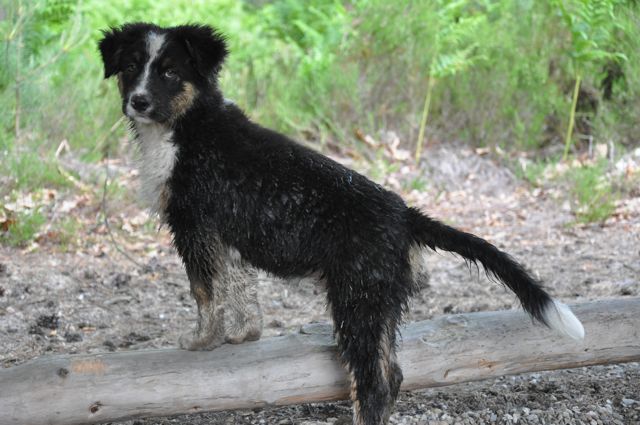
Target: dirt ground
(94,300)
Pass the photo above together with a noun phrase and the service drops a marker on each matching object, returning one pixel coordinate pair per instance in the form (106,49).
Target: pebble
(48,321)
(72,337)
(121,279)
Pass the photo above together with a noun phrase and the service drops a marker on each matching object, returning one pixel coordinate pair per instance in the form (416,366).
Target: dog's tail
(532,296)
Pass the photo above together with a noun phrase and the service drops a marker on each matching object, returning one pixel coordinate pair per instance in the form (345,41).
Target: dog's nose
(140,102)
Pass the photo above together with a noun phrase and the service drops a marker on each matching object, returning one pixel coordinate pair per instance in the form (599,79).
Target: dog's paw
(243,323)
(241,335)
(192,341)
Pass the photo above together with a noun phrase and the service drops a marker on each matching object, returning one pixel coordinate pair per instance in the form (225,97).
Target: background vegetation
(537,76)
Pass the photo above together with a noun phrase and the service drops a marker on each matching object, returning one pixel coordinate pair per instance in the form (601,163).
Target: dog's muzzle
(140,103)
(139,109)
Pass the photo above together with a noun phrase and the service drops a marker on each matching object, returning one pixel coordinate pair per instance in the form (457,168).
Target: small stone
(275,323)
(72,337)
(121,279)
(48,321)
(110,345)
(533,418)
(628,402)
(35,330)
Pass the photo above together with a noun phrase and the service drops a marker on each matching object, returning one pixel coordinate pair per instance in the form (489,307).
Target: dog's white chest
(158,157)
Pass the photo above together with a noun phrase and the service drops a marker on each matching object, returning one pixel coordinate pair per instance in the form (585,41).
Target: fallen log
(298,368)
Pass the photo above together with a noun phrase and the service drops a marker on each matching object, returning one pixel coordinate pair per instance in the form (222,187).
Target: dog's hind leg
(365,330)
(391,365)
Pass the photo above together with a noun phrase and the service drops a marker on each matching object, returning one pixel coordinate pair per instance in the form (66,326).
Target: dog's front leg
(210,329)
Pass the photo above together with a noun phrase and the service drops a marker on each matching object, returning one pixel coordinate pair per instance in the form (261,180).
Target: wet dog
(239,198)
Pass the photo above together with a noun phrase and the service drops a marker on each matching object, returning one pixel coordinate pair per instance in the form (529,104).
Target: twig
(106,220)
(425,116)
(75,182)
(103,139)
(572,117)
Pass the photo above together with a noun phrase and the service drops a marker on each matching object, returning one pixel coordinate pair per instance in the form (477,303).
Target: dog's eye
(131,68)
(170,74)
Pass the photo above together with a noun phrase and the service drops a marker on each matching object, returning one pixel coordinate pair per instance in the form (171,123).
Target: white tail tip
(560,318)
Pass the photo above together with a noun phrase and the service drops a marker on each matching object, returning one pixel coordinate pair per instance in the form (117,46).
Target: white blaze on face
(155,43)
(154,139)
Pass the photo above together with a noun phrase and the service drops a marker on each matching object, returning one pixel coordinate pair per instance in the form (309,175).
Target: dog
(239,198)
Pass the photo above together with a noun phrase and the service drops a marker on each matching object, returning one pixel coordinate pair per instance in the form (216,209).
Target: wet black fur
(291,211)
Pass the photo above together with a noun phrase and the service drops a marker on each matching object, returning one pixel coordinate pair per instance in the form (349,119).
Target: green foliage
(29,170)
(483,72)
(593,193)
(22,228)
(49,19)
(532,171)
(591,24)
(457,23)
(66,232)
(416,183)
(454,48)
(381,167)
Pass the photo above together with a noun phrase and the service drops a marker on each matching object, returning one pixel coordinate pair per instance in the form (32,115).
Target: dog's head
(161,71)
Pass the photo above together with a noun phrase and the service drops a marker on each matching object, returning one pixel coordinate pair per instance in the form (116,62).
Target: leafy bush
(487,72)
(591,24)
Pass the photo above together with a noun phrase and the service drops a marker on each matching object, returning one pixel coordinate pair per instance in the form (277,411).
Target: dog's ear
(114,41)
(110,49)
(206,46)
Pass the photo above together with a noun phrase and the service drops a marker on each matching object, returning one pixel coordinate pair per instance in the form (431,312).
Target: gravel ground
(94,300)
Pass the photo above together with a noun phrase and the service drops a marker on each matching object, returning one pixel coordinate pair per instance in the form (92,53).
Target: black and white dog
(239,198)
